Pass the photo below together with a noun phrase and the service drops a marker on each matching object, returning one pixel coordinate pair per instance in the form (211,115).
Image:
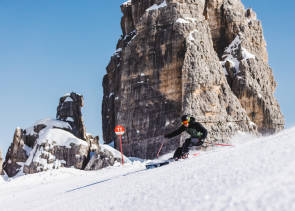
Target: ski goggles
(185,122)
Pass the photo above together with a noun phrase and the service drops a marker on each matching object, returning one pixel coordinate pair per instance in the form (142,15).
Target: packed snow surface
(254,174)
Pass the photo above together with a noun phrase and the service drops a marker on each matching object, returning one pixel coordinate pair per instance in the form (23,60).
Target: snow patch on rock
(156,6)
(68,99)
(58,137)
(127,2)
(114,152)
(49,123)
(190,37)
(247,55)
(117,52)
(181,20)
(232,55)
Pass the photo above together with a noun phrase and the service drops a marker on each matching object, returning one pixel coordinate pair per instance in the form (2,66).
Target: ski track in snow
(256,174)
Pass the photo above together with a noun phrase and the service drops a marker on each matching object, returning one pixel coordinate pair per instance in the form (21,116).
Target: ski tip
(156,165)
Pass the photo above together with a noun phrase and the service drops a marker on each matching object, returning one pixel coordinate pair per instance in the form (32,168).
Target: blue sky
(49,48)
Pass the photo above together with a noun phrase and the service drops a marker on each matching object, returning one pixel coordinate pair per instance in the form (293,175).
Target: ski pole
(160,149)
(225,145)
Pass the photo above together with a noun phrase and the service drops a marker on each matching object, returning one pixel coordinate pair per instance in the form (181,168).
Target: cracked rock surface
(206,58)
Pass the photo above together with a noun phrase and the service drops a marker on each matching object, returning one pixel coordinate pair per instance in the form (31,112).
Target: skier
(196,131)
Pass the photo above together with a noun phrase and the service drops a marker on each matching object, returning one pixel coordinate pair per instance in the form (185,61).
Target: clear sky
(52,47)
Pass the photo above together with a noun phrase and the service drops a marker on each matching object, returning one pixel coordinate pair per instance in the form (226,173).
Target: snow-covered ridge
(50,138)
(69,94)
(68,99)
(127,2)
(54,146)
(49,123)
(156,6)
(59,137)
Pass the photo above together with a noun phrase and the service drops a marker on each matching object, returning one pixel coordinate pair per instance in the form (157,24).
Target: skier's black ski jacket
(195,129)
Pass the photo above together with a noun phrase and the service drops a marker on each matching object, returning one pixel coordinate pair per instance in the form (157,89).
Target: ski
(157,164)
(165,162)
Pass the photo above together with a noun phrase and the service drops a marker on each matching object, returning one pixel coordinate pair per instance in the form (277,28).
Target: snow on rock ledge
(48,144)
(56,148)
(127,2)
(105,156)
(234,54)
(51,143)
(48,123)
(156,6)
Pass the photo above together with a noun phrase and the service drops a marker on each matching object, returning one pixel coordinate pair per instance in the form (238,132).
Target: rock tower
(206,58)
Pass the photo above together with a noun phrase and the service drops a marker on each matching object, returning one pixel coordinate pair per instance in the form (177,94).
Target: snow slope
(255,174)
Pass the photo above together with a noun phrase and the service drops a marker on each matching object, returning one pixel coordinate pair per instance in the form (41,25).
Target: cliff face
(206,58)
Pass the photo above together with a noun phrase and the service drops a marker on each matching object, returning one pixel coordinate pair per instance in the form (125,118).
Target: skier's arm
(203,131)
(175,133)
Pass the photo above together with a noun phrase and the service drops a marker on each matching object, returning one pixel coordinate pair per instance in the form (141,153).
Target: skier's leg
(177,153)
(185,146)
(196,142)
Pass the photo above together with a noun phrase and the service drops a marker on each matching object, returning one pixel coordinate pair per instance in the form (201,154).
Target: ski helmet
(185,119)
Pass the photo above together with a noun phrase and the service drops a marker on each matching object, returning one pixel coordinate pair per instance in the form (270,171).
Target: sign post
(120,130)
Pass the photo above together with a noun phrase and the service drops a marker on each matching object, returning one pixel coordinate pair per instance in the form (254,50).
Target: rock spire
(206,58)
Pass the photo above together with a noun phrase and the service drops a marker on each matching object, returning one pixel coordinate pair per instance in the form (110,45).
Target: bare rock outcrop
(52,143)
(102,156)
(205,58)
(56,148)
(36,148)
(16,154)
(69,110)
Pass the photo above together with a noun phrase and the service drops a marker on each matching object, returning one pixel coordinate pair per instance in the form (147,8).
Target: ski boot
(184,155)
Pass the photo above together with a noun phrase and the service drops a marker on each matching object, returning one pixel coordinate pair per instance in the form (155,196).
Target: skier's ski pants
(185,147)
